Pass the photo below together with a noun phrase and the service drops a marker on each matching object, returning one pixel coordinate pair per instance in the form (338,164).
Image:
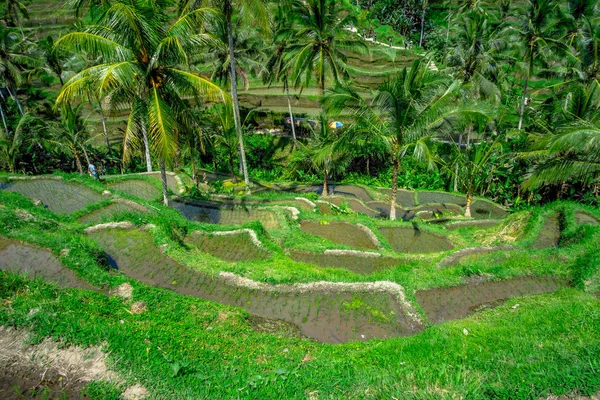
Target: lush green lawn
(184,347)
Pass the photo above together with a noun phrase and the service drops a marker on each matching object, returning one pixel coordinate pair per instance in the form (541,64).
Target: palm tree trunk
(396,164)
(325,189)
(4,120)
(422,23)
(163,178)
(16,99)
(522,111)
(234,95)
(78,161)
(87,159)
(103,119)
(468,206)
(287,88)
(146,149)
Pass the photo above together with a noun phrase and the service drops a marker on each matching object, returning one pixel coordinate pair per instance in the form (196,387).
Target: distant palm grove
(496,98)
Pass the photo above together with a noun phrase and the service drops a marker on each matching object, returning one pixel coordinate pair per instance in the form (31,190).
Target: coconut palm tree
(70,134)
(473,169)
(145,67)
(319,38)
(10,144)
(571,151)
(476,54)
(278,68)
(13,9)
(248,50)
(256,14)
(15,59)
(322,154)
(538,33)
(403,113)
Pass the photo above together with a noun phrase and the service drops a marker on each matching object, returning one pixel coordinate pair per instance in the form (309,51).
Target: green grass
(548,344)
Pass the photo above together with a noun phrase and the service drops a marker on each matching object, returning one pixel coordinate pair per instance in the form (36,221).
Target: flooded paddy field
(339,232)
(35,262)
(328,312)
(411,240)
(213,214)
(137,188)
(228,246)
(458,302)
(60,197)
(364,265)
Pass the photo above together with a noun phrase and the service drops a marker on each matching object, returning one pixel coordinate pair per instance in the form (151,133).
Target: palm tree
(224,135)
(571,151)
(319,38)
(10,144)
(474,167)
(538,33)
(12,10)
(322,153)
(15,59)
(70,134)
(278,67)
(247,49)
(570,154)
(144,66)
(474,59)
(402,114)
(256,13)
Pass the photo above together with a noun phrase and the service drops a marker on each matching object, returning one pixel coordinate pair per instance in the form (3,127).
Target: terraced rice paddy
(137,188)
(326,313)
(225,216)
(404,198)
(60,197)
(461,301)
(480,224)
(35,262)
(107,213)
(358,264)
(228,247)
(549,235)
(354,205)
(339,232)
(584,218)
(486,209)
(426,197)
(407,240)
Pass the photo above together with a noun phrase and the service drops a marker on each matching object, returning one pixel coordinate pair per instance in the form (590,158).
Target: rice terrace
(313,199)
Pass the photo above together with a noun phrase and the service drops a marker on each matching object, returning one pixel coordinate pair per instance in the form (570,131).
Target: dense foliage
(129,87)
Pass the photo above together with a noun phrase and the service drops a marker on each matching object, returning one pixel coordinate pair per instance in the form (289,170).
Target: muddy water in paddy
(35,262)
(108,212)
(235,247)
(59,196)
(355,205)
(213,214)
(549,235)
(410,240)
(326,315)
(138,188)
(339,232)
(461,301)
(584,218)
(358,264)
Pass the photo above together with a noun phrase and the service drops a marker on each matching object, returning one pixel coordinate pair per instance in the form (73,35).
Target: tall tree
(144,66)
(403,113)
(320,37)
(538,34)
(255,13)
(71,134)
(16,58)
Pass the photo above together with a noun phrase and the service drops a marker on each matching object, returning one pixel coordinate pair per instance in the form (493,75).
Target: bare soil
(44,371)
